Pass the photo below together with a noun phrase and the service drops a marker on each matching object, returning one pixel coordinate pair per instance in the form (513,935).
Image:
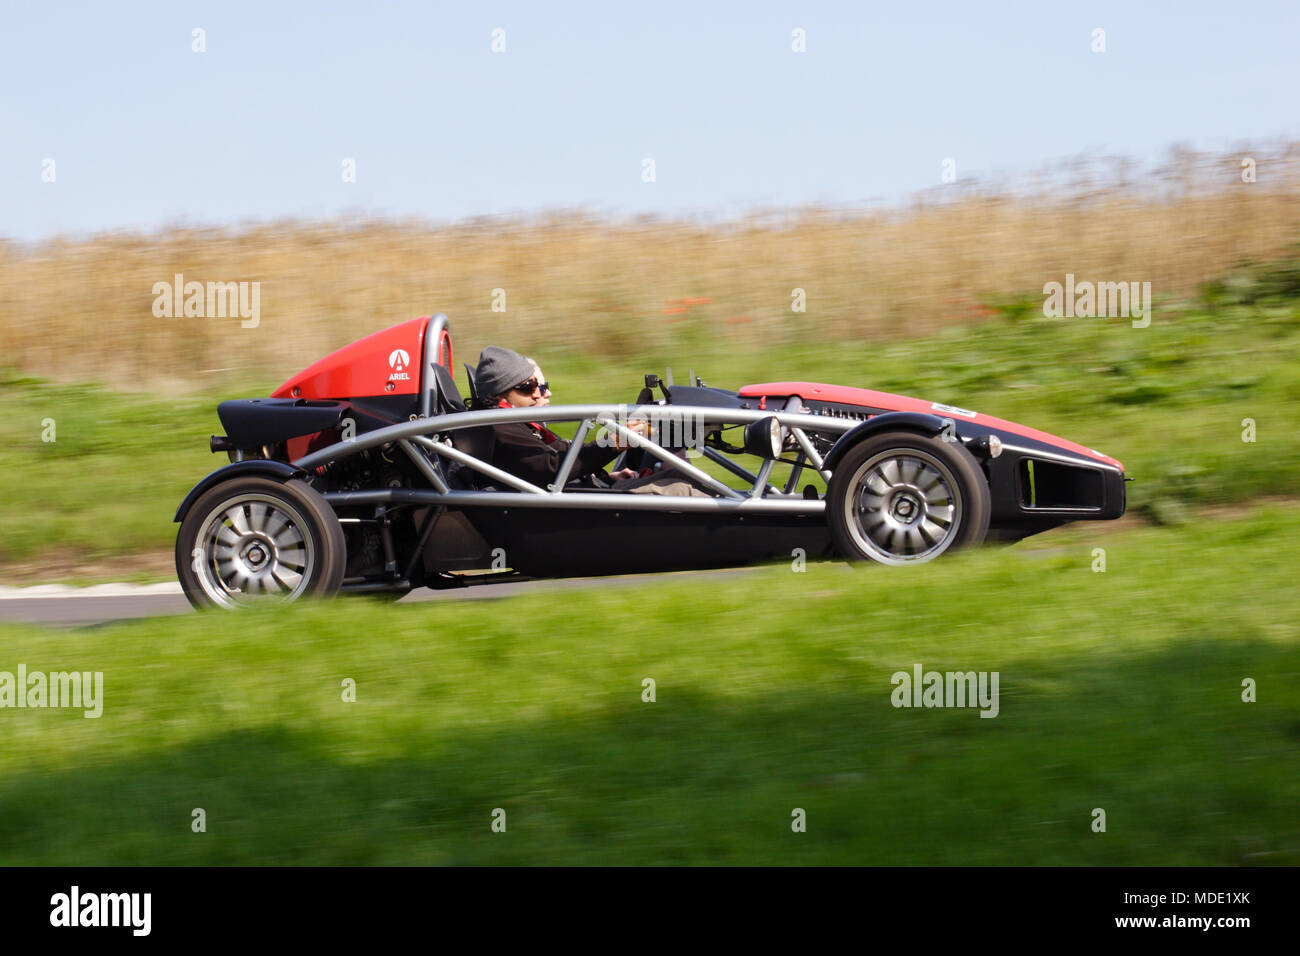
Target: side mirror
(653,381)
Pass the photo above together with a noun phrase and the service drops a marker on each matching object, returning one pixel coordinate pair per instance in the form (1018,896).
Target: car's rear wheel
(255,540)
(904,498)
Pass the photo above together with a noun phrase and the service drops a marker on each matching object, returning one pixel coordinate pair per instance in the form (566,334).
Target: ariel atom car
(367,472)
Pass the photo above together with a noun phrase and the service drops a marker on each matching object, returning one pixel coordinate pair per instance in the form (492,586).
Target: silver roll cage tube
(429,441)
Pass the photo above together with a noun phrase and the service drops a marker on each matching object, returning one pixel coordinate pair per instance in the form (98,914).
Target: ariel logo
(398,360)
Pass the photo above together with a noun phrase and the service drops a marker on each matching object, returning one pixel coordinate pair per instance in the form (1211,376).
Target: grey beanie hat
(499,370)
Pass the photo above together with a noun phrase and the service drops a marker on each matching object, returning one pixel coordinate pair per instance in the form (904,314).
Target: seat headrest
(473,390)
(449,399)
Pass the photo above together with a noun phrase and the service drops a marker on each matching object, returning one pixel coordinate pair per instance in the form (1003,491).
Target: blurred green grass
(1168,400)
(1119,690)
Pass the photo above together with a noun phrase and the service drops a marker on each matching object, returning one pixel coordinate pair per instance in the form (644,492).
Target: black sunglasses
(528,386)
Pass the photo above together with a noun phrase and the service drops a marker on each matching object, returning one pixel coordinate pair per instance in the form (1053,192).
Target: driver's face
(537,396)
(540,397)
(521,399)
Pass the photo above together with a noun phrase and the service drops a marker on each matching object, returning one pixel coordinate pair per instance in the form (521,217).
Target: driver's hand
(637,427)
(622,474)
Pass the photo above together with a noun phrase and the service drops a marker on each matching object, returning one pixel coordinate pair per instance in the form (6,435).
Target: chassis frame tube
(493,472)
(609,501)
(561,413)
(669,459)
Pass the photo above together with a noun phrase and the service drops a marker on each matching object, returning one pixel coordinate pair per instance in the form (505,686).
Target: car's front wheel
(250,540)
(904,498)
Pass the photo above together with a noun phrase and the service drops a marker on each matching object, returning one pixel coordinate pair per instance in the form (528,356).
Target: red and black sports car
(368,472)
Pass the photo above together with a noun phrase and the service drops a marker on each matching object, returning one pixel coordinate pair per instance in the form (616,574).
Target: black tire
(933,498)
(290,545)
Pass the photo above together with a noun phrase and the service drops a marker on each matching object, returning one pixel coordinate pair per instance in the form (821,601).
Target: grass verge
(1119,690)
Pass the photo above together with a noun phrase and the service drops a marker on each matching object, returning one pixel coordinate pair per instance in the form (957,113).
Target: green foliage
(1256,283)
(1018,311)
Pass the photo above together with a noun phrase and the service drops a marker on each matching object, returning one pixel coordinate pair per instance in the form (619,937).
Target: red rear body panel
(869,398)
(385,363)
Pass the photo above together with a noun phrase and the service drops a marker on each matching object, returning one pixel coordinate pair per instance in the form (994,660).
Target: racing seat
(478,442)
(473,441)
(473,386)
(449,399)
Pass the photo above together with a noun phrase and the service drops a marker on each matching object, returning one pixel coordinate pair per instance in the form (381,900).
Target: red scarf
(546,434)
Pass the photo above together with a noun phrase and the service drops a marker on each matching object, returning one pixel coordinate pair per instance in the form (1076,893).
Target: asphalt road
(62,606)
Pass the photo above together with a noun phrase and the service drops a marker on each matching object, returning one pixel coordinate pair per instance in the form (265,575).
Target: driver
(530,450)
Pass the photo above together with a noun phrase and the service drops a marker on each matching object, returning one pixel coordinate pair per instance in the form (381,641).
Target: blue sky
(146,133)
